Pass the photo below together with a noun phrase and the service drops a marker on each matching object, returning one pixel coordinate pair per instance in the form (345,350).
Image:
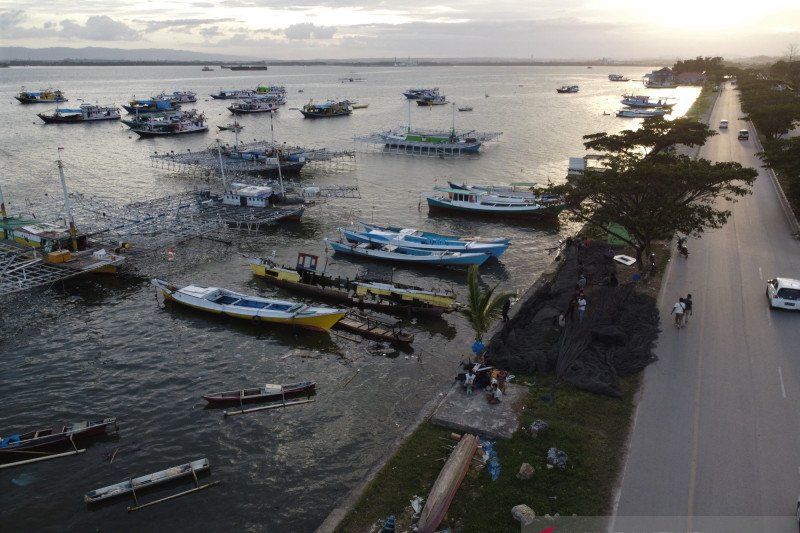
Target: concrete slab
(473,414)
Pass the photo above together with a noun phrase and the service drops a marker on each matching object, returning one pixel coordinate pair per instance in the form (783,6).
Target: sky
(345,29)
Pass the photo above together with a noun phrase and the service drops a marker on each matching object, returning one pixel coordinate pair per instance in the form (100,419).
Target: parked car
(783,293)
(723,124)
(744,135)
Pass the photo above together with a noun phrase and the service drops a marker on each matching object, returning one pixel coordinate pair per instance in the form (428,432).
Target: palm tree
(483,307)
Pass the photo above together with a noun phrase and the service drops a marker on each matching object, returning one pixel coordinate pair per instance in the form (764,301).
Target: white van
(723,124)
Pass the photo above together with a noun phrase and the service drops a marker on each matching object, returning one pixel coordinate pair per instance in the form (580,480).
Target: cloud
(211,31)
(155,25)
(98,28)
(307,30)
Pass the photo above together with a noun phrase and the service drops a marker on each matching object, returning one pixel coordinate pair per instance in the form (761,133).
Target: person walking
(687,302)
(506,308)
(678,310)
(581,307)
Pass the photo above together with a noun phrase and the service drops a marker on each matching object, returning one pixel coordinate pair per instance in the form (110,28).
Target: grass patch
(703,102)
(591,429)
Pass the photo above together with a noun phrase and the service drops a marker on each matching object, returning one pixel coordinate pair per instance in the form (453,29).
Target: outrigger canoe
(267,392)
(224,302)
(409,239)
(49,437)
(130,486)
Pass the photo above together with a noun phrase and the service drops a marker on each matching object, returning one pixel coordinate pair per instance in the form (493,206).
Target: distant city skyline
(348,29)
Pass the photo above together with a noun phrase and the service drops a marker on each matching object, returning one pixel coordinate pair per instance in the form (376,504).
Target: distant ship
(245,67)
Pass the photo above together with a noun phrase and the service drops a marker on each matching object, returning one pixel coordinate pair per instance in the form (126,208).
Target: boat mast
(277,154)
(3,232)
(221,167)
(453,129)
(73,231)
(409,116)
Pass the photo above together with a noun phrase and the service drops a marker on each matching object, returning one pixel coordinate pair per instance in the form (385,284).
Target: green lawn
(591,429)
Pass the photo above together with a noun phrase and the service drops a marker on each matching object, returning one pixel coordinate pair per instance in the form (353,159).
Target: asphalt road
(717,428)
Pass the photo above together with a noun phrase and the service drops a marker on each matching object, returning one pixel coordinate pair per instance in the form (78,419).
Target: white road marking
(783,389)
(760,275)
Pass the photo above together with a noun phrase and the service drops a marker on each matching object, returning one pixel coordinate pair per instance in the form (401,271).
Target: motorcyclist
(684,251)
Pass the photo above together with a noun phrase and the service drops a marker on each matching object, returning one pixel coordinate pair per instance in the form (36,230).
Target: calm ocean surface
(105,347)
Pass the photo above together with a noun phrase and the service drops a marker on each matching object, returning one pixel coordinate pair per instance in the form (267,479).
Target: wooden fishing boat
(233,94)
(45,96)
(446,485)
(432,235)
(150,105)
(177,126)
(402,254)
(359,292)
(267,392)
(224,302)
(51,436)
(253,105)
(130,486)
(483,203)
(376,328)
(567,89)
(86,113)
(326,110)
(408,239)
(231,127)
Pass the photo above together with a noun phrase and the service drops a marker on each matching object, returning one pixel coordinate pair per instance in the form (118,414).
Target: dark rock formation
(614,339)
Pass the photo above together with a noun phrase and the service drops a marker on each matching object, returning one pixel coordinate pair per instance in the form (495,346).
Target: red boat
(268,392)
(50,436)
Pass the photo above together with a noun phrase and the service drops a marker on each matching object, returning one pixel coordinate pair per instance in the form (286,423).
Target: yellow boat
(387,297)
(224,302)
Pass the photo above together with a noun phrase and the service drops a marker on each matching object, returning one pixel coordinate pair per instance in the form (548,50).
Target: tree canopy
(654,193)
(783,156)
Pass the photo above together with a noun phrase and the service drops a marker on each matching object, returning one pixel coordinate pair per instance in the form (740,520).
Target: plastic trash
(557,458)
(493,460)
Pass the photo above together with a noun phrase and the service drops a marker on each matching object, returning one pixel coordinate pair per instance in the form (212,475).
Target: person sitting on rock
(494,394)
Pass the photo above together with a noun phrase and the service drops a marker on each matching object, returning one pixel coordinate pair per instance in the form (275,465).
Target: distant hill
(19,53)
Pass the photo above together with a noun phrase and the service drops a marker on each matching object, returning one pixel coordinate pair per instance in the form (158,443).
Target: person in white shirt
(581,308)
(469,382)
(678,309)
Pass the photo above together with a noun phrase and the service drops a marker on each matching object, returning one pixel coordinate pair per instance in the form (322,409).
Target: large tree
(652,192)
(783,156)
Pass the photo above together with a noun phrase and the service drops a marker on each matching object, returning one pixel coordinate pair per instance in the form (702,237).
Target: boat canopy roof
(459,191)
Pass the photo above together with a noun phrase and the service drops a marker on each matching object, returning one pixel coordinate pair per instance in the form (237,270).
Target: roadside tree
(783,156)
(653,192)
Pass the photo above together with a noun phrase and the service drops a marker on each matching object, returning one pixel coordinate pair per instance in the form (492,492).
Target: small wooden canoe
(49,436)
(367,326)
(131,485)
(267,392)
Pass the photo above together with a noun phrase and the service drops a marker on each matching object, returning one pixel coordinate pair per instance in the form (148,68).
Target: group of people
(485,378)
(682,311)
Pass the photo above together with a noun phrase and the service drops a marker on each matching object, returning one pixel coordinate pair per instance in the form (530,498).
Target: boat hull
(433,259)
(260,394)
(77,119)
(436,204)
(47,437)
(438,245)
(156,478)
(311,114)
(170,133)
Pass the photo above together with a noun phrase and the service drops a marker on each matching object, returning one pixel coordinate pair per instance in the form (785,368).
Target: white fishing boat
(644,101)
(617,77)
(432,235)
(86,113)
(641,113)
(568,89)
(253,105)
(224,302)
(484,203)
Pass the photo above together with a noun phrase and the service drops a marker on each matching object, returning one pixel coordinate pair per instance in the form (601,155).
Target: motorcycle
(682,249)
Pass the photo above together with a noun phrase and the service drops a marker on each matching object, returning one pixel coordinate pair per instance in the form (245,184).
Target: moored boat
(445,142)
(51,436)
(410,240)
(231,127)
(179,97)
(225,302)
(326,110)
(44,96)
(376,328)
(253,105)
(360,291)
(617,77)
(402,254)
(264,393)
(432,235)
(150,105)
(432,99)
(483,203)
(131,485)
(465,108)
(176,126)
(644,101)
(641,113)
(207,69)
(86,113)
(568,89)
(233,94)
(416,93)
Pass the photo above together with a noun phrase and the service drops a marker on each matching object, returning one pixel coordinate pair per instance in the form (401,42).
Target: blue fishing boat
(151,105)
(409,239)
(432,235)
(403,254)
(327,110)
